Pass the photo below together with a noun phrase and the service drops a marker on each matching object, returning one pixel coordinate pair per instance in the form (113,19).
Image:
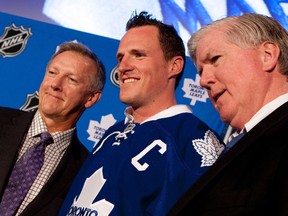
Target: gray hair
(247,31)
(99,80)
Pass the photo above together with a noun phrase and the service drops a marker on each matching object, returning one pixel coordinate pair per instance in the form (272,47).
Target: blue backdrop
(27,45)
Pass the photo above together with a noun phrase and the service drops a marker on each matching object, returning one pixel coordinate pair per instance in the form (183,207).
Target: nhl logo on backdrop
(14,40)
(31,102)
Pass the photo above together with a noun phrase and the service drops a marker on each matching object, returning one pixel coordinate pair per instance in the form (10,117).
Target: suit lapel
(247,141)
(11,137)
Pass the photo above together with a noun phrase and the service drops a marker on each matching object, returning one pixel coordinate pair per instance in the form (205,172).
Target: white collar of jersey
(171,111)
(128,113)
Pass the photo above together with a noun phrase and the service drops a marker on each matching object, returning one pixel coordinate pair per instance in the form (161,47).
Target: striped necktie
(234,140)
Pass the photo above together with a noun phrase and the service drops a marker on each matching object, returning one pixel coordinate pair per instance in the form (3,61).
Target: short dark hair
(171,43)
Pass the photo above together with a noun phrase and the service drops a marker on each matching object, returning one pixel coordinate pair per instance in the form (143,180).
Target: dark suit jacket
(14,124)
(250,179)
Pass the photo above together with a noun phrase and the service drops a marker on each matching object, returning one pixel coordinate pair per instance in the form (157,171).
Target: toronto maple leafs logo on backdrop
(194,91)
(96,129)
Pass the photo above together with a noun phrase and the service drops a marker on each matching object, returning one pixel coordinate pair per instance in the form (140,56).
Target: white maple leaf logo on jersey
(194,91)
(84,202)
(209,148)
(96,129)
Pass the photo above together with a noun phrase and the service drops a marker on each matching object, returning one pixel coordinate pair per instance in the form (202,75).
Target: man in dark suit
(243,64)
(73,82)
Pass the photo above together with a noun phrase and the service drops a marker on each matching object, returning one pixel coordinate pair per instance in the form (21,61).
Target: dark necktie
(23,175)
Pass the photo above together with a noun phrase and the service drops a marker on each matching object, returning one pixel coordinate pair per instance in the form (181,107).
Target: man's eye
(72,80)
(200,70)
(119,58)
(139,55)
(50,72)
(215,58)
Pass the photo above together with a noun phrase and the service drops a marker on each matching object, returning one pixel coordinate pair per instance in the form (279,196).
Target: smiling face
(144,74)
(65,91)
(233,76)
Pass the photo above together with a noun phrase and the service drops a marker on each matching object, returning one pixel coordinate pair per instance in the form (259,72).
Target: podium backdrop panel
(26,47)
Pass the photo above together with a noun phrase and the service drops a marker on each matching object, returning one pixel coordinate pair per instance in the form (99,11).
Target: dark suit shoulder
(11,112)
(11,115)
(78,150)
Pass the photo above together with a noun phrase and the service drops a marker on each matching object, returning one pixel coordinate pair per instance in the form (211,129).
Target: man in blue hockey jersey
(143,164)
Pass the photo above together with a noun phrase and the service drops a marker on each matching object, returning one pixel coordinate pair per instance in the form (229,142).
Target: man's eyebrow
(207,57)
(132,51)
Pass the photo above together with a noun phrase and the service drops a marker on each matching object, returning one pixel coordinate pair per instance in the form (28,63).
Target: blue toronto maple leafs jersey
(142,169)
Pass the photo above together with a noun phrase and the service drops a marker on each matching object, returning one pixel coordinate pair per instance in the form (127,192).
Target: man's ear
(271,54)
(93,98)
(177,64)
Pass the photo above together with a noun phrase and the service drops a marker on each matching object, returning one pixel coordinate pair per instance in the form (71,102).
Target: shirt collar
(37,126)
(171,111)
(266,110)
(61,138)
